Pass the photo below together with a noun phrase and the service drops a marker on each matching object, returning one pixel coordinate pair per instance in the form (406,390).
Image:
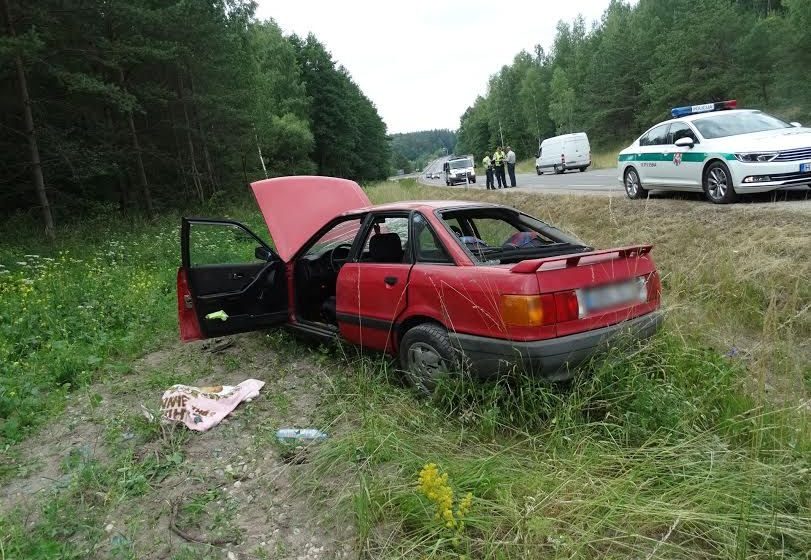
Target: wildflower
(31,256)
(22,263)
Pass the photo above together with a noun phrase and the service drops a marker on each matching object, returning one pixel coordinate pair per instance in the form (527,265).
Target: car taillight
(528,311)
(567,306)
(536,311)
(654,288)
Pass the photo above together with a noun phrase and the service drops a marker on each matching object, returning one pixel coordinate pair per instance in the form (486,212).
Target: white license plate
(805,168)
(612,295)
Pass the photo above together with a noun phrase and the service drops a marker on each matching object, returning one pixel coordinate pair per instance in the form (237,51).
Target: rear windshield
(502,236)
(461,163)
(732,124)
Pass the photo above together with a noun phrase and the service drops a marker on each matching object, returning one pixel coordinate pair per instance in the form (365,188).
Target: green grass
(666,450)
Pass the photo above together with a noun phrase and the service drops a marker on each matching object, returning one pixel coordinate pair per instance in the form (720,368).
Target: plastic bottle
(295,434)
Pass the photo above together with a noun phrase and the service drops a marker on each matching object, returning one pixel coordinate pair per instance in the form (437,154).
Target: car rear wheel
(426,356)
(538,170)
(582,169)
(718,183)
(633,186)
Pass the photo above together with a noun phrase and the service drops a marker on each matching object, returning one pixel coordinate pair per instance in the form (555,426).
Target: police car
(720,150)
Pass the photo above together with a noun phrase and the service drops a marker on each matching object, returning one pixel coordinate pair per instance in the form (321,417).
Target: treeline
(413,150)
(146,105)
(623,74)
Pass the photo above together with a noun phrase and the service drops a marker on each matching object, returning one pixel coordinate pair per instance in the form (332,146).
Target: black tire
(633,186)
(447,183)
(582,169)
(718,183)
(426,356)
(473,180)
(538,170)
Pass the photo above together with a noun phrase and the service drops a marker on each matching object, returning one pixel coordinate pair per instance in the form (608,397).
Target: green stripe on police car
(693,157)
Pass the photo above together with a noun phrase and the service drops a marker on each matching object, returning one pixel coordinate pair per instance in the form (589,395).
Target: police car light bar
(706,108)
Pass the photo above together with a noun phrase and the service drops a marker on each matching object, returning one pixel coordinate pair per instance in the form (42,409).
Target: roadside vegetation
(616,77)
(695,445)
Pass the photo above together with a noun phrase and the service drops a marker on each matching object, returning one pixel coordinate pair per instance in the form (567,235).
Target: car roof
(424,205)
(690,118)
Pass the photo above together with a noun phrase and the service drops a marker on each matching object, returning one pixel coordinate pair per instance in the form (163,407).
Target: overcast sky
(424,62)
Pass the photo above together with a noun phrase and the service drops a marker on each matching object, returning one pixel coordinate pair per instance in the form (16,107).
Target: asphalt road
(604,182)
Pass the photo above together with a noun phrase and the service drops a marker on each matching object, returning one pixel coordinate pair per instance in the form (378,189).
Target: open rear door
(230,281)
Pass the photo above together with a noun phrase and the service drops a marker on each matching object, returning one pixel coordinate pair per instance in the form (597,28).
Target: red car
(444,285)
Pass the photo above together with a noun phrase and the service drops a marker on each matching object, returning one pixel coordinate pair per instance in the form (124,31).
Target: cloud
(423,63)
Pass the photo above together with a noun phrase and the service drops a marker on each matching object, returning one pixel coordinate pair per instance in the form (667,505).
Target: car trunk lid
(599,288)
(295,208)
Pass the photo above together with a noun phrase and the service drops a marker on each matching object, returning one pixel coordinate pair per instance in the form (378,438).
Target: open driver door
(230,281)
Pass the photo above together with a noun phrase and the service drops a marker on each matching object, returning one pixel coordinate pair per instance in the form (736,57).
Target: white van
(569,151)
(459,169)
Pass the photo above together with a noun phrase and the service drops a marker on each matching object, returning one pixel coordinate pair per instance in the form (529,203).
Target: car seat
(385,248)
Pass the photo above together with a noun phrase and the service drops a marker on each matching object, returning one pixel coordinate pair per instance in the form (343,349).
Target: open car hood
(295,208)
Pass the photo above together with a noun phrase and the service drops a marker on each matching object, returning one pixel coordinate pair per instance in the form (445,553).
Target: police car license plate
(613,295)
(805,168)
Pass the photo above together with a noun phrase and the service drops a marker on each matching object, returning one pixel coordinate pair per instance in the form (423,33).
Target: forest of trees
(623,74)
(413,150)
(146,104)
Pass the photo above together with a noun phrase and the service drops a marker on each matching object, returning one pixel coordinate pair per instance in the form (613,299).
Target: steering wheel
(333,262)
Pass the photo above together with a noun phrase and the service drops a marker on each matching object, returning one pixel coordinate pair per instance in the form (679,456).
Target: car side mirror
(263,254)
(685,142)
(795,124)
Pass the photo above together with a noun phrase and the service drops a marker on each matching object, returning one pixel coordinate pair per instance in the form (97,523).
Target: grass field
(697,445)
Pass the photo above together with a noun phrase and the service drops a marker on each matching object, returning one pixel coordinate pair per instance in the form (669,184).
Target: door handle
(237,275)
(390,280)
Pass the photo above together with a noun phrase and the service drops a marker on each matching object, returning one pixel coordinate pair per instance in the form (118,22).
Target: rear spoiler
(529,266)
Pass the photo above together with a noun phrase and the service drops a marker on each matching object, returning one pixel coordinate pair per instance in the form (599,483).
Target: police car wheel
(633,186)
(718,183)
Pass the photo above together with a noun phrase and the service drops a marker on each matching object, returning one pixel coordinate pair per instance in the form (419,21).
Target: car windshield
(722,125)
(502,236)
(461,163)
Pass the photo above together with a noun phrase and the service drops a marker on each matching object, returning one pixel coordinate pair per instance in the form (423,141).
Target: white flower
(4,271)
(22,263)
(31,256)
(27,281)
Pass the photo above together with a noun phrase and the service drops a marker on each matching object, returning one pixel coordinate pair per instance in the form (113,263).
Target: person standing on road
(498,162)
(488,170)
(511,165)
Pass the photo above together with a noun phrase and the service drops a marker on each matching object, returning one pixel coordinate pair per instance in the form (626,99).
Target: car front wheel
(633,186)
(426,356)
(538,171)
(718,183)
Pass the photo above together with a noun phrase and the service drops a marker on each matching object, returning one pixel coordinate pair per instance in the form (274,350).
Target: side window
(493,231)
(644,140)
(387,241)
(681,130)
(342,233)
(221,243)
(658,136)
(429,248)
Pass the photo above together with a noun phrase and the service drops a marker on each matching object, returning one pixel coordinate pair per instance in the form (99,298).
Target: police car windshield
(460,163)
(723,125)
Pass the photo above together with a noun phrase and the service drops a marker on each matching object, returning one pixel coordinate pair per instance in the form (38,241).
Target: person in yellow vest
(488,169)
(498,161)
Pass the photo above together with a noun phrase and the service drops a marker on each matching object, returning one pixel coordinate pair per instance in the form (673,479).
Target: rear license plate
(612,295)
(805,168)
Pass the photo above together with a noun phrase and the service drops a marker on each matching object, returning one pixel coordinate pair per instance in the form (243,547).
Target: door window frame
(357,248)
(413,241)
(185,237)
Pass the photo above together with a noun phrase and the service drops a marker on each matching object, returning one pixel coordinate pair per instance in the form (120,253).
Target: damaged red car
(446,286)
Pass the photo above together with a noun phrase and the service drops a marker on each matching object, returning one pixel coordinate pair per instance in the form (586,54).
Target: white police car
(717,149)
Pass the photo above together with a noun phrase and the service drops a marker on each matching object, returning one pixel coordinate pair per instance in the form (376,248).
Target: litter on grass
(201,408)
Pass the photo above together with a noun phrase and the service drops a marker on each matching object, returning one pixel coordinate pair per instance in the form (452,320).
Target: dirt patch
(234,482)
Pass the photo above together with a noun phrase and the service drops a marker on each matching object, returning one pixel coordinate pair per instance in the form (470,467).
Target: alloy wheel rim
(717,183)
(631,183)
